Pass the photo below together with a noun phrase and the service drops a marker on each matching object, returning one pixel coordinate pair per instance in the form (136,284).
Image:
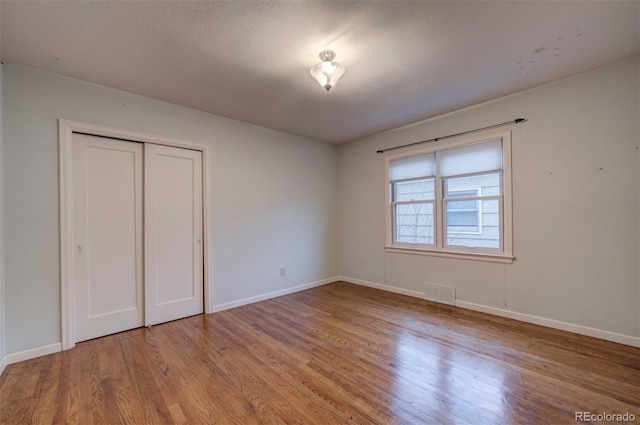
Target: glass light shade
(327,73)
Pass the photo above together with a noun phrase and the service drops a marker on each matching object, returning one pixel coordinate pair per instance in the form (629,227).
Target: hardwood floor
(337,354)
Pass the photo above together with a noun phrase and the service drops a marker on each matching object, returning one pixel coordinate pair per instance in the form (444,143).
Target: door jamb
(66,128)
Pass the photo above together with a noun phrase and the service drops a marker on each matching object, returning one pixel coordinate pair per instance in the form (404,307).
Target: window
(454,200)
(464,214)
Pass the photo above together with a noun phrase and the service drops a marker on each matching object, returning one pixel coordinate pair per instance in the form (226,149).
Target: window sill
(492,258)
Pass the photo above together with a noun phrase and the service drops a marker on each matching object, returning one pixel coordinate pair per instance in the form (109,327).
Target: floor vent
(440,293)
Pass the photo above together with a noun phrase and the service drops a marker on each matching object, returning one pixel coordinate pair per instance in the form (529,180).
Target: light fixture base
(327,55)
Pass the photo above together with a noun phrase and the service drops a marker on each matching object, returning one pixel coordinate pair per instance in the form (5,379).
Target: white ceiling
(405,61)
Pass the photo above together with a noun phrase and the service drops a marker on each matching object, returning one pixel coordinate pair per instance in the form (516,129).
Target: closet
(137,234)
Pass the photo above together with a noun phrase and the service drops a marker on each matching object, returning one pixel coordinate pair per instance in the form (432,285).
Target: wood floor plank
(336,354)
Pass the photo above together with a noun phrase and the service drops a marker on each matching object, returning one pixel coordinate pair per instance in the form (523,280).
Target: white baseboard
(388,288)
(32,353)
(510,314)
(552,323)
(3,364)
(262,297)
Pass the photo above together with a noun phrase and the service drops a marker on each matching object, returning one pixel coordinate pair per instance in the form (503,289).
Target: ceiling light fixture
(327,73)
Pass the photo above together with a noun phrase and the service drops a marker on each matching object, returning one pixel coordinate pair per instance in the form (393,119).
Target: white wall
(576,205)
(274,201)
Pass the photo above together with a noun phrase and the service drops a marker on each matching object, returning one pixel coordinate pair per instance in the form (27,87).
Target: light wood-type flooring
(336,354)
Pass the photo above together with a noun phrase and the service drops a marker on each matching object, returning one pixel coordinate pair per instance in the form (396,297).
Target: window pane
(463,205)
(476,158)
(467,219)
(416,190)
(474,229)
(412,167)
(480,185)
(414,223)
(464,214)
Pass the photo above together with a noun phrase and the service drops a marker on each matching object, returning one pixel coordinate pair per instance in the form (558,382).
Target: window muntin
(458,208)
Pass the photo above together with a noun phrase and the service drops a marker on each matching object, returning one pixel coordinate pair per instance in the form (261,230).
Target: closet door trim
(66,128)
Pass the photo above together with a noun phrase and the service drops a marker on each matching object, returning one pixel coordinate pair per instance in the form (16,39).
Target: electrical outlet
(283,272)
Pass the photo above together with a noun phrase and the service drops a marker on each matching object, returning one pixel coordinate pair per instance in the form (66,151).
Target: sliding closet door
(107,235)
(173,233)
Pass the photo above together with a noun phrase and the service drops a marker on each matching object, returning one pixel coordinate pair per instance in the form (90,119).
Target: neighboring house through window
(465,214)
(452,198)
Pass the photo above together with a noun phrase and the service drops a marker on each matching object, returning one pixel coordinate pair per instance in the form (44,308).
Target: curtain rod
(436,139)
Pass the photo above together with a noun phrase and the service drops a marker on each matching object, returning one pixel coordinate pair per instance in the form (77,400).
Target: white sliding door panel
(173,233)
(108,236)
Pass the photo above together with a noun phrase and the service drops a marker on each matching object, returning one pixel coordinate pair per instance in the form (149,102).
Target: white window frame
(504,254)
(395,203)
